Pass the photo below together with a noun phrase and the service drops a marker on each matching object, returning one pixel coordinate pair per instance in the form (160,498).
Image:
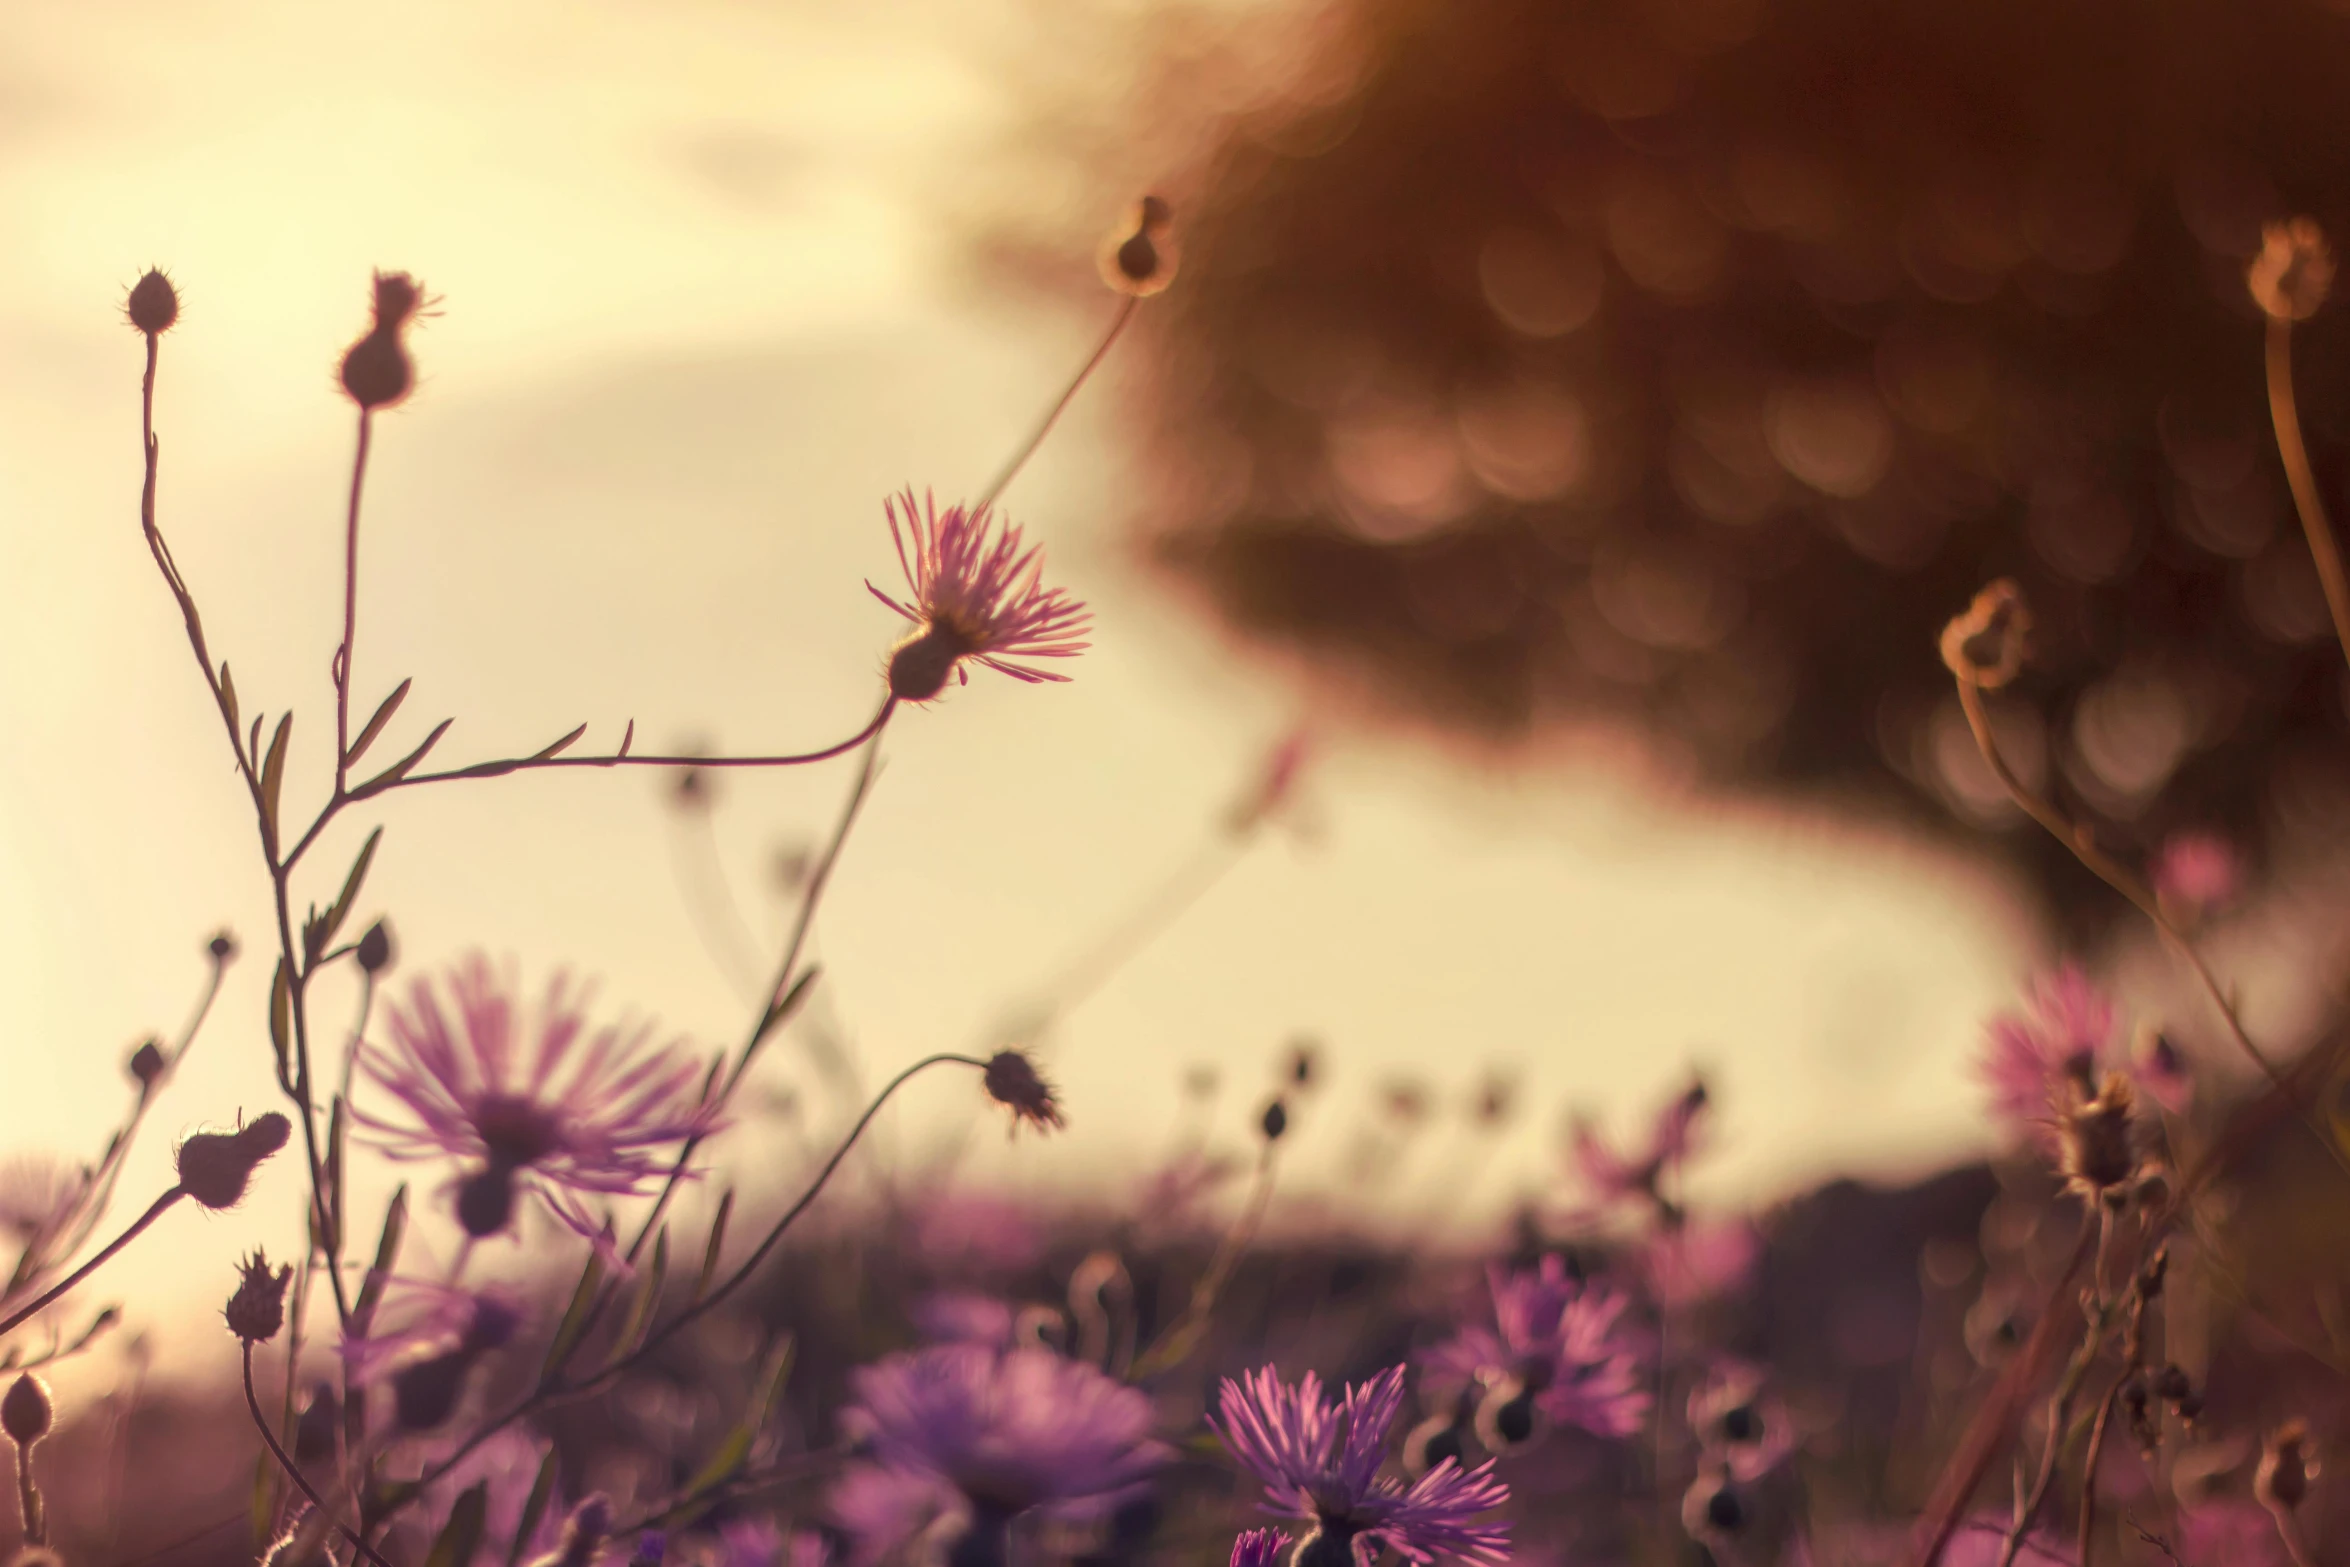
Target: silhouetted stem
(58,1290)
(2285,415)
(286,1463)
(1011,470)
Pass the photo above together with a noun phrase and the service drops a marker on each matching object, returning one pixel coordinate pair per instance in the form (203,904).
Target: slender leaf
(717,1244)
(648,1300)
(460,1537)
(560,746)
(281,1025)
(405,765)
(375,726)
(387,1255)
(730,1455)
(228,699)
(574,1325)
(338,1133)
(273,771)
(542,1493)
(340,910)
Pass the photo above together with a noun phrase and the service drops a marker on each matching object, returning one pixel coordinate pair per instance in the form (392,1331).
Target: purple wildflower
(1007,1431)
(1557,1347)
(2194,874)
(975,594)
(1259,1548)
(2065,1033)
(561,1119)
(1320,1462)
(1619,1177)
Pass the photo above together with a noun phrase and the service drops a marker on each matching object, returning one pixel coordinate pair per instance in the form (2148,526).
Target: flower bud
(919,666)
(2096,1143)
(25,1411)
(216,1167)
(1275,1121)
(377,371)
(146,1064)
(1985,645)
(2290,277)
(375,948)
(1012,1081)
(1139,257)
(223,946)
(257,1309)
(153,304)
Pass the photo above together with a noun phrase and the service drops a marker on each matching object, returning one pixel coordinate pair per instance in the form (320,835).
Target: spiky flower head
(1559,1348)
(153,304)
(530,1103)
(1319,1461)
(258,1307)
(1259,1548)
(1012,1081)
(2064,1035)
(976,594)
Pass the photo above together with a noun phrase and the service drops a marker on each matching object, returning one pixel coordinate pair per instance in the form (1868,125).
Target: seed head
(25,1411)
(216,1167)
(1012,1081)
(257,1309)
(375,948)
(153,304)
(2290,277)
(1139,257)
(1985,645)
(2285,1467)
(146,1064)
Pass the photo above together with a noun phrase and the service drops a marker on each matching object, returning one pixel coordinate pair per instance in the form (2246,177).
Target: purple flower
(1003,1431)
(1619,1177)
(1558,1344)
(563,1118)
(1320,1462)
(975,594)
(1259,1548)
(2194,874)
(2065,1033)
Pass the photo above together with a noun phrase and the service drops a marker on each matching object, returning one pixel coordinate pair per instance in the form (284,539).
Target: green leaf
(340,910)
(273,772)
(375,725)
(542,1492)
(387,1256)
(281,1025)
(574,1325)
(648,1300)
(405,765)
(262,1509)
(716,1244)
(730,1455)
(460,1537)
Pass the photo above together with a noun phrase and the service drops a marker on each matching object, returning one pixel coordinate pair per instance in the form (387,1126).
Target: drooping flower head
(2064,1036)
(1320,1462)
(1558,1348)
(976,592)
(995,1433)
(1619,1177)
(565,1113)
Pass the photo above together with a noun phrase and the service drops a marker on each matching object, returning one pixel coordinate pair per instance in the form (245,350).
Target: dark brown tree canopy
(1687,364)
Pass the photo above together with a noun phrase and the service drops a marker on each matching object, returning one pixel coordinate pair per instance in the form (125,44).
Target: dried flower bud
(1139,257)
(216,1167)
(2290,277)
(2285,1467)
(1275,1121)
(146,1064)
(257,1309)
(2097,1150)
(25,1411)
(376,370)
(222,946)
(375,948)
(1012,1081)
(1985,645)
(153,304)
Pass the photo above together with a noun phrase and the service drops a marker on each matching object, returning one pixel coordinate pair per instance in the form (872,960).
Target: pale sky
(697,324)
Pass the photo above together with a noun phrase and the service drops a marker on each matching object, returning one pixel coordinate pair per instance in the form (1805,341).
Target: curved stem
(56,1291)
(1176,1344)
(286,1463)
(2286,416)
